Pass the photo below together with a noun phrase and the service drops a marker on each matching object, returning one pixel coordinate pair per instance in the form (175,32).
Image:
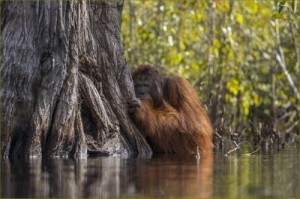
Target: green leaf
(239,19)
(233,86)
(277,16)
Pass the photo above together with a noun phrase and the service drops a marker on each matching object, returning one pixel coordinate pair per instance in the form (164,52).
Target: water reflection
(258,176)
(235,176)
(108,177)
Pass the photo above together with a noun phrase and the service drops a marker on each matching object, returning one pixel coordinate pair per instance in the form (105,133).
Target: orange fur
(180,124)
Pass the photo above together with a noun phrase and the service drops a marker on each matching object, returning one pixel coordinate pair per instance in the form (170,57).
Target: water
(233,176)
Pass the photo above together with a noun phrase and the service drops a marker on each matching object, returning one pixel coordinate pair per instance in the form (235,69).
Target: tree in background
(242,56)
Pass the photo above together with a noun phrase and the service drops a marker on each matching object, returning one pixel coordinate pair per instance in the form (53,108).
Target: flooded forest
(80,120)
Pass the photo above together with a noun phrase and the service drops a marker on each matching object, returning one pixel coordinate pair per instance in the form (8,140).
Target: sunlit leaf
(239,19)
(216,43)
(233,86)
(252,6)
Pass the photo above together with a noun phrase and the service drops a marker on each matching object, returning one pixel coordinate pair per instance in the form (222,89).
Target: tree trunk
(65,82)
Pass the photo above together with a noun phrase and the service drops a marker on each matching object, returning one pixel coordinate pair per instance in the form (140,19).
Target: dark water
(234,176)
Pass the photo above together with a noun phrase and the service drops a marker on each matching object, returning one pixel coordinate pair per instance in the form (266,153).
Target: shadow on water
(234,176)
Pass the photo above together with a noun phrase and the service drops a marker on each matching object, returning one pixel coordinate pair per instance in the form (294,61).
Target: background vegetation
(242,57)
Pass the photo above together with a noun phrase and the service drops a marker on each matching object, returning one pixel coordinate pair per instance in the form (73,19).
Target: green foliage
(226,48)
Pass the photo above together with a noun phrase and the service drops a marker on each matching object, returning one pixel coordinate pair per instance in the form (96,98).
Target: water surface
(233,176)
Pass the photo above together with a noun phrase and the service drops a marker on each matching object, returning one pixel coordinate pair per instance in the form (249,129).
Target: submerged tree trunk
(65,82)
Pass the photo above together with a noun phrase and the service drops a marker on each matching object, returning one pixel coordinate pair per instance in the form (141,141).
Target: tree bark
(65,81)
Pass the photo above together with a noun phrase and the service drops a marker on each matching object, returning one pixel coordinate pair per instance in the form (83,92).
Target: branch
(281,60)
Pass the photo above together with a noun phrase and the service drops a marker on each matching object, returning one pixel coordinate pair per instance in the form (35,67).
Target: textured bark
(65,82)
